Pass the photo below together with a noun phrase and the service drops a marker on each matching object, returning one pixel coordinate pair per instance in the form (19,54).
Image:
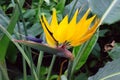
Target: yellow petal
(84,17)
(94,27)
(46,23)
(71,27)
(74,19)
(48,36)
(60,34)
(87,36)
(54,22)
(82,30)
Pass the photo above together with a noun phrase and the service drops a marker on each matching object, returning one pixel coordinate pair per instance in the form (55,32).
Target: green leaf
(43,70)
(29,13)
(99,6)
(4,42)
(11,53)
(35,29)
(84,51)
(54,77)
(115,52)
(60,5)
(46,48)
(76,49)
(20,49)
(108,8)
(111,71)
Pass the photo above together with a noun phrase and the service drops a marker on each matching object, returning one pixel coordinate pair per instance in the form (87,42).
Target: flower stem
(24,69)
(50,68)
(23,21)
(39,63)
(69,73)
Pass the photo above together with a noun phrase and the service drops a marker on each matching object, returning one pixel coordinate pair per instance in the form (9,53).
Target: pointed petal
(81,31)
(87,36)
(74,19)
(94,27)
(48,36)
(54,22)
(84,17)
(44,20)
(80,26)
(85,27)
(60,34)
(72,26)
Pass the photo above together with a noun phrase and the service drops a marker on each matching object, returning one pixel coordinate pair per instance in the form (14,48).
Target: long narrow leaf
(4,42)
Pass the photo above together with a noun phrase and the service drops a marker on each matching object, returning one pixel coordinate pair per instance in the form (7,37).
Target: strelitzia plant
(66,34)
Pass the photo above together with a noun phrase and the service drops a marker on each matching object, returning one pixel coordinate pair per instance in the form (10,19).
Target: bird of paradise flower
(72,34)
(63,34)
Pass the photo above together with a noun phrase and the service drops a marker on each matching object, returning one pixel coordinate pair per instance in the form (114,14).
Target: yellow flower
(71,33)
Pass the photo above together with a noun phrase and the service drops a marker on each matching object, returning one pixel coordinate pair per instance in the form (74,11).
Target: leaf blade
(110,71)
(4,42)
(84,52)
(109,10)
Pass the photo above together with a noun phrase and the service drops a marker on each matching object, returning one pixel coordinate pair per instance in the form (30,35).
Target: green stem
(39,6)
(19,30)
(69,70)
(39,63)
(23,60)
(28,50)
(23,21)
(41,52)
(24,69)
(50,68)
(32,66)
(3,70)
(27,59)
